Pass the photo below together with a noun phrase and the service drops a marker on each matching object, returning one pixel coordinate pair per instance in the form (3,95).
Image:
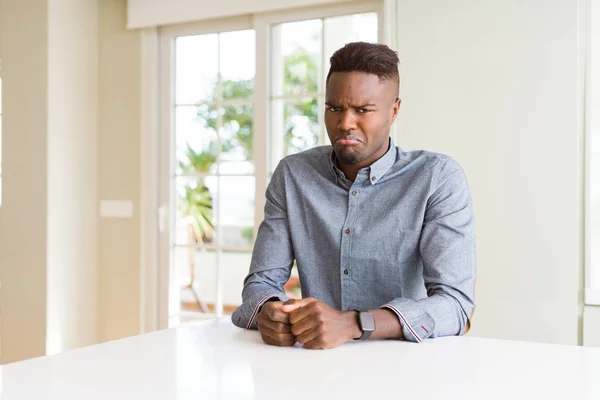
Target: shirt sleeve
(272,256)
(447,247)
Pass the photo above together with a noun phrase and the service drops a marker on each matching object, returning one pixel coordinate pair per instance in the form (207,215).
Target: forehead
(357,87)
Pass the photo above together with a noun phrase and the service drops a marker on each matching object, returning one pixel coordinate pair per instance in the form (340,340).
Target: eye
(363,110)
(334,109)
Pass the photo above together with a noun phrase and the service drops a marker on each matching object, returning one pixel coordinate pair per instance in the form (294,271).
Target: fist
(274,325)
(318,326)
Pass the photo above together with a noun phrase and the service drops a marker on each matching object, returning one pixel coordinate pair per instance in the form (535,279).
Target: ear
(396,108)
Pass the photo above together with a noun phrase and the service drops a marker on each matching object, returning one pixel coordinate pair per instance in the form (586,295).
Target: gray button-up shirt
(401,236)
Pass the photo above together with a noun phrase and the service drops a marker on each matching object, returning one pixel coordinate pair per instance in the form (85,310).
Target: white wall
(147,13)
(119,170)
(591,326)
(23,212)
(73,319)
(48,218)
(495,84)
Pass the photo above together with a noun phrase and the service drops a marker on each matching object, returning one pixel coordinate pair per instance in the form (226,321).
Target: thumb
(293,305)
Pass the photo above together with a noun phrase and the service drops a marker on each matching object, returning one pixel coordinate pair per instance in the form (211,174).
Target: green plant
(300,73)
(196,202)
(247,233)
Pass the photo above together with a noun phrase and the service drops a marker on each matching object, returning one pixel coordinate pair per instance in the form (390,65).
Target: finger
(302,326)
(311,310)
(279,316)
(274,312)
(297,304)
(309,336)
(280,327)
(315,344)
(273,342)
(278,339)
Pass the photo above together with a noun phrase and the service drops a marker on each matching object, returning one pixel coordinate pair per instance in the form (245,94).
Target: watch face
(367,322)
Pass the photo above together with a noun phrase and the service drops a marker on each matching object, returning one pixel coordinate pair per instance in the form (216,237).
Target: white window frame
(262,25)
(592,15)
(157,95)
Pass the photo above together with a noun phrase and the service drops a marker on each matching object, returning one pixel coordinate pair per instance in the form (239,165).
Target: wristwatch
(366,323)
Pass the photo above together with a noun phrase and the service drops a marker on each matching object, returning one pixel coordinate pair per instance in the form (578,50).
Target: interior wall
(72,319)
(497,86)
(119,170)
(23,213)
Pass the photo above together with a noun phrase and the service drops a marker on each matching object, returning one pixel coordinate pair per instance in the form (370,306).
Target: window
(593,154)
(300,61)
(212,178)
(237,96)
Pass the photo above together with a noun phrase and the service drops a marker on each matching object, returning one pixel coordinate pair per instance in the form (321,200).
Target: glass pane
(196,68)
(195,280)
(236,137)
(235,210)
(297,59)
(349,28)
(296,125)
(234,268)
(237,63)
(196,139)
(195,207)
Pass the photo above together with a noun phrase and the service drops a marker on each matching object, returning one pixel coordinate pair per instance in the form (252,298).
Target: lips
(347,141)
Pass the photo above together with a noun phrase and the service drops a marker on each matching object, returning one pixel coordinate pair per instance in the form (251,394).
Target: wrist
(354,331)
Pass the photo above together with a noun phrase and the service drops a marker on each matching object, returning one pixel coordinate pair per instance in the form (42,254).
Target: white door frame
(157,96)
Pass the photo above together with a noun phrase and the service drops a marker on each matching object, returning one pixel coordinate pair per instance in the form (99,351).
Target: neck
(351,170)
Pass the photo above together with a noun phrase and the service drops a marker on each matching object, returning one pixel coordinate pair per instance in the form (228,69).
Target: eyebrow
(353,106)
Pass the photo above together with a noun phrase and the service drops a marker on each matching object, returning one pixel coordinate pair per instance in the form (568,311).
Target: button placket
(346,242)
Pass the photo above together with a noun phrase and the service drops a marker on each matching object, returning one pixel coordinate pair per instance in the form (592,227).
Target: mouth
(347,141)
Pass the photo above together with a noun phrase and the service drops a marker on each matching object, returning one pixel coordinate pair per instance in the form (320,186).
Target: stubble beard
(349,157)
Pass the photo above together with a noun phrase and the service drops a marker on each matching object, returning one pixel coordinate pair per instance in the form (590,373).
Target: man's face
(359,111)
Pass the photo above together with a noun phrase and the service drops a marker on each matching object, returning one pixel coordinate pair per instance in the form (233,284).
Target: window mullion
(261,107)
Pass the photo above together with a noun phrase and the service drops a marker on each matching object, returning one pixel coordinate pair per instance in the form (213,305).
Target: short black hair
(370,58)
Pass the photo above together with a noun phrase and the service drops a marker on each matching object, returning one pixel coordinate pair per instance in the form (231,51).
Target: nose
(347,121)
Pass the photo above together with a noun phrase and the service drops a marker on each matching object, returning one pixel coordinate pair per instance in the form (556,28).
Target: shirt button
(345,272)
(347,231)
(373,178)
(354,193)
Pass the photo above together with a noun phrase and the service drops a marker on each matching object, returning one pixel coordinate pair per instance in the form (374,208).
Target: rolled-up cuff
(416,323)
(245,315)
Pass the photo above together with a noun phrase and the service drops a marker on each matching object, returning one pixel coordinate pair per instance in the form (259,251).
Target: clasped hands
(308,321)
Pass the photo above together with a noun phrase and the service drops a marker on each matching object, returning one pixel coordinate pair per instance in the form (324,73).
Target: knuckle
(269,312)
(320,328)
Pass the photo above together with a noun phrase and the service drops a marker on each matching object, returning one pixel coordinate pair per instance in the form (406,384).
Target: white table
(215,360)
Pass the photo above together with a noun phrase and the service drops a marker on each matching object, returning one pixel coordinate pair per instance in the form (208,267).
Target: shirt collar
(377,169)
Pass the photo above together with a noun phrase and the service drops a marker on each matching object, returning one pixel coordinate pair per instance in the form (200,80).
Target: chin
(348,157)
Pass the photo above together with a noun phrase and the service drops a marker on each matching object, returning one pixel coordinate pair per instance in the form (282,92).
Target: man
(383,239)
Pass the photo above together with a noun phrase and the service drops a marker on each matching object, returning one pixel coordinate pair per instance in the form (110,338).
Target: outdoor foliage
(236,134)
